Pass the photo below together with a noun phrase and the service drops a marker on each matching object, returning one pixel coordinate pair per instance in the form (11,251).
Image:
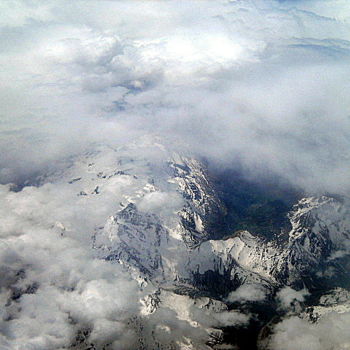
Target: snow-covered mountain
(160,223)
(146,238)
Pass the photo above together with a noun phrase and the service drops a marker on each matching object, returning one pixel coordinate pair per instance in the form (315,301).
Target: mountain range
(176,232)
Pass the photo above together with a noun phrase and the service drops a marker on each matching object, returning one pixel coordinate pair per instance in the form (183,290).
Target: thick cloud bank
(260,82)
(52,288)
(332,332)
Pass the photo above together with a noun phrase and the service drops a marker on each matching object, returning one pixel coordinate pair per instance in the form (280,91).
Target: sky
(263,84)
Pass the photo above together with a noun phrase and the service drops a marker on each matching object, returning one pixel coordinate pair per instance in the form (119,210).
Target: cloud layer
(331,332)
(51,286)
(263,83)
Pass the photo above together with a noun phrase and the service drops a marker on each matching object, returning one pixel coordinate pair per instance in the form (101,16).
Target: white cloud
(247,293)
(230,318)
(287,296)
(162,203)
(331,332)
(51,284)
(220,318)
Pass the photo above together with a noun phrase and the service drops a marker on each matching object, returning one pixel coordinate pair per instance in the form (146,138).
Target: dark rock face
(203,209)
